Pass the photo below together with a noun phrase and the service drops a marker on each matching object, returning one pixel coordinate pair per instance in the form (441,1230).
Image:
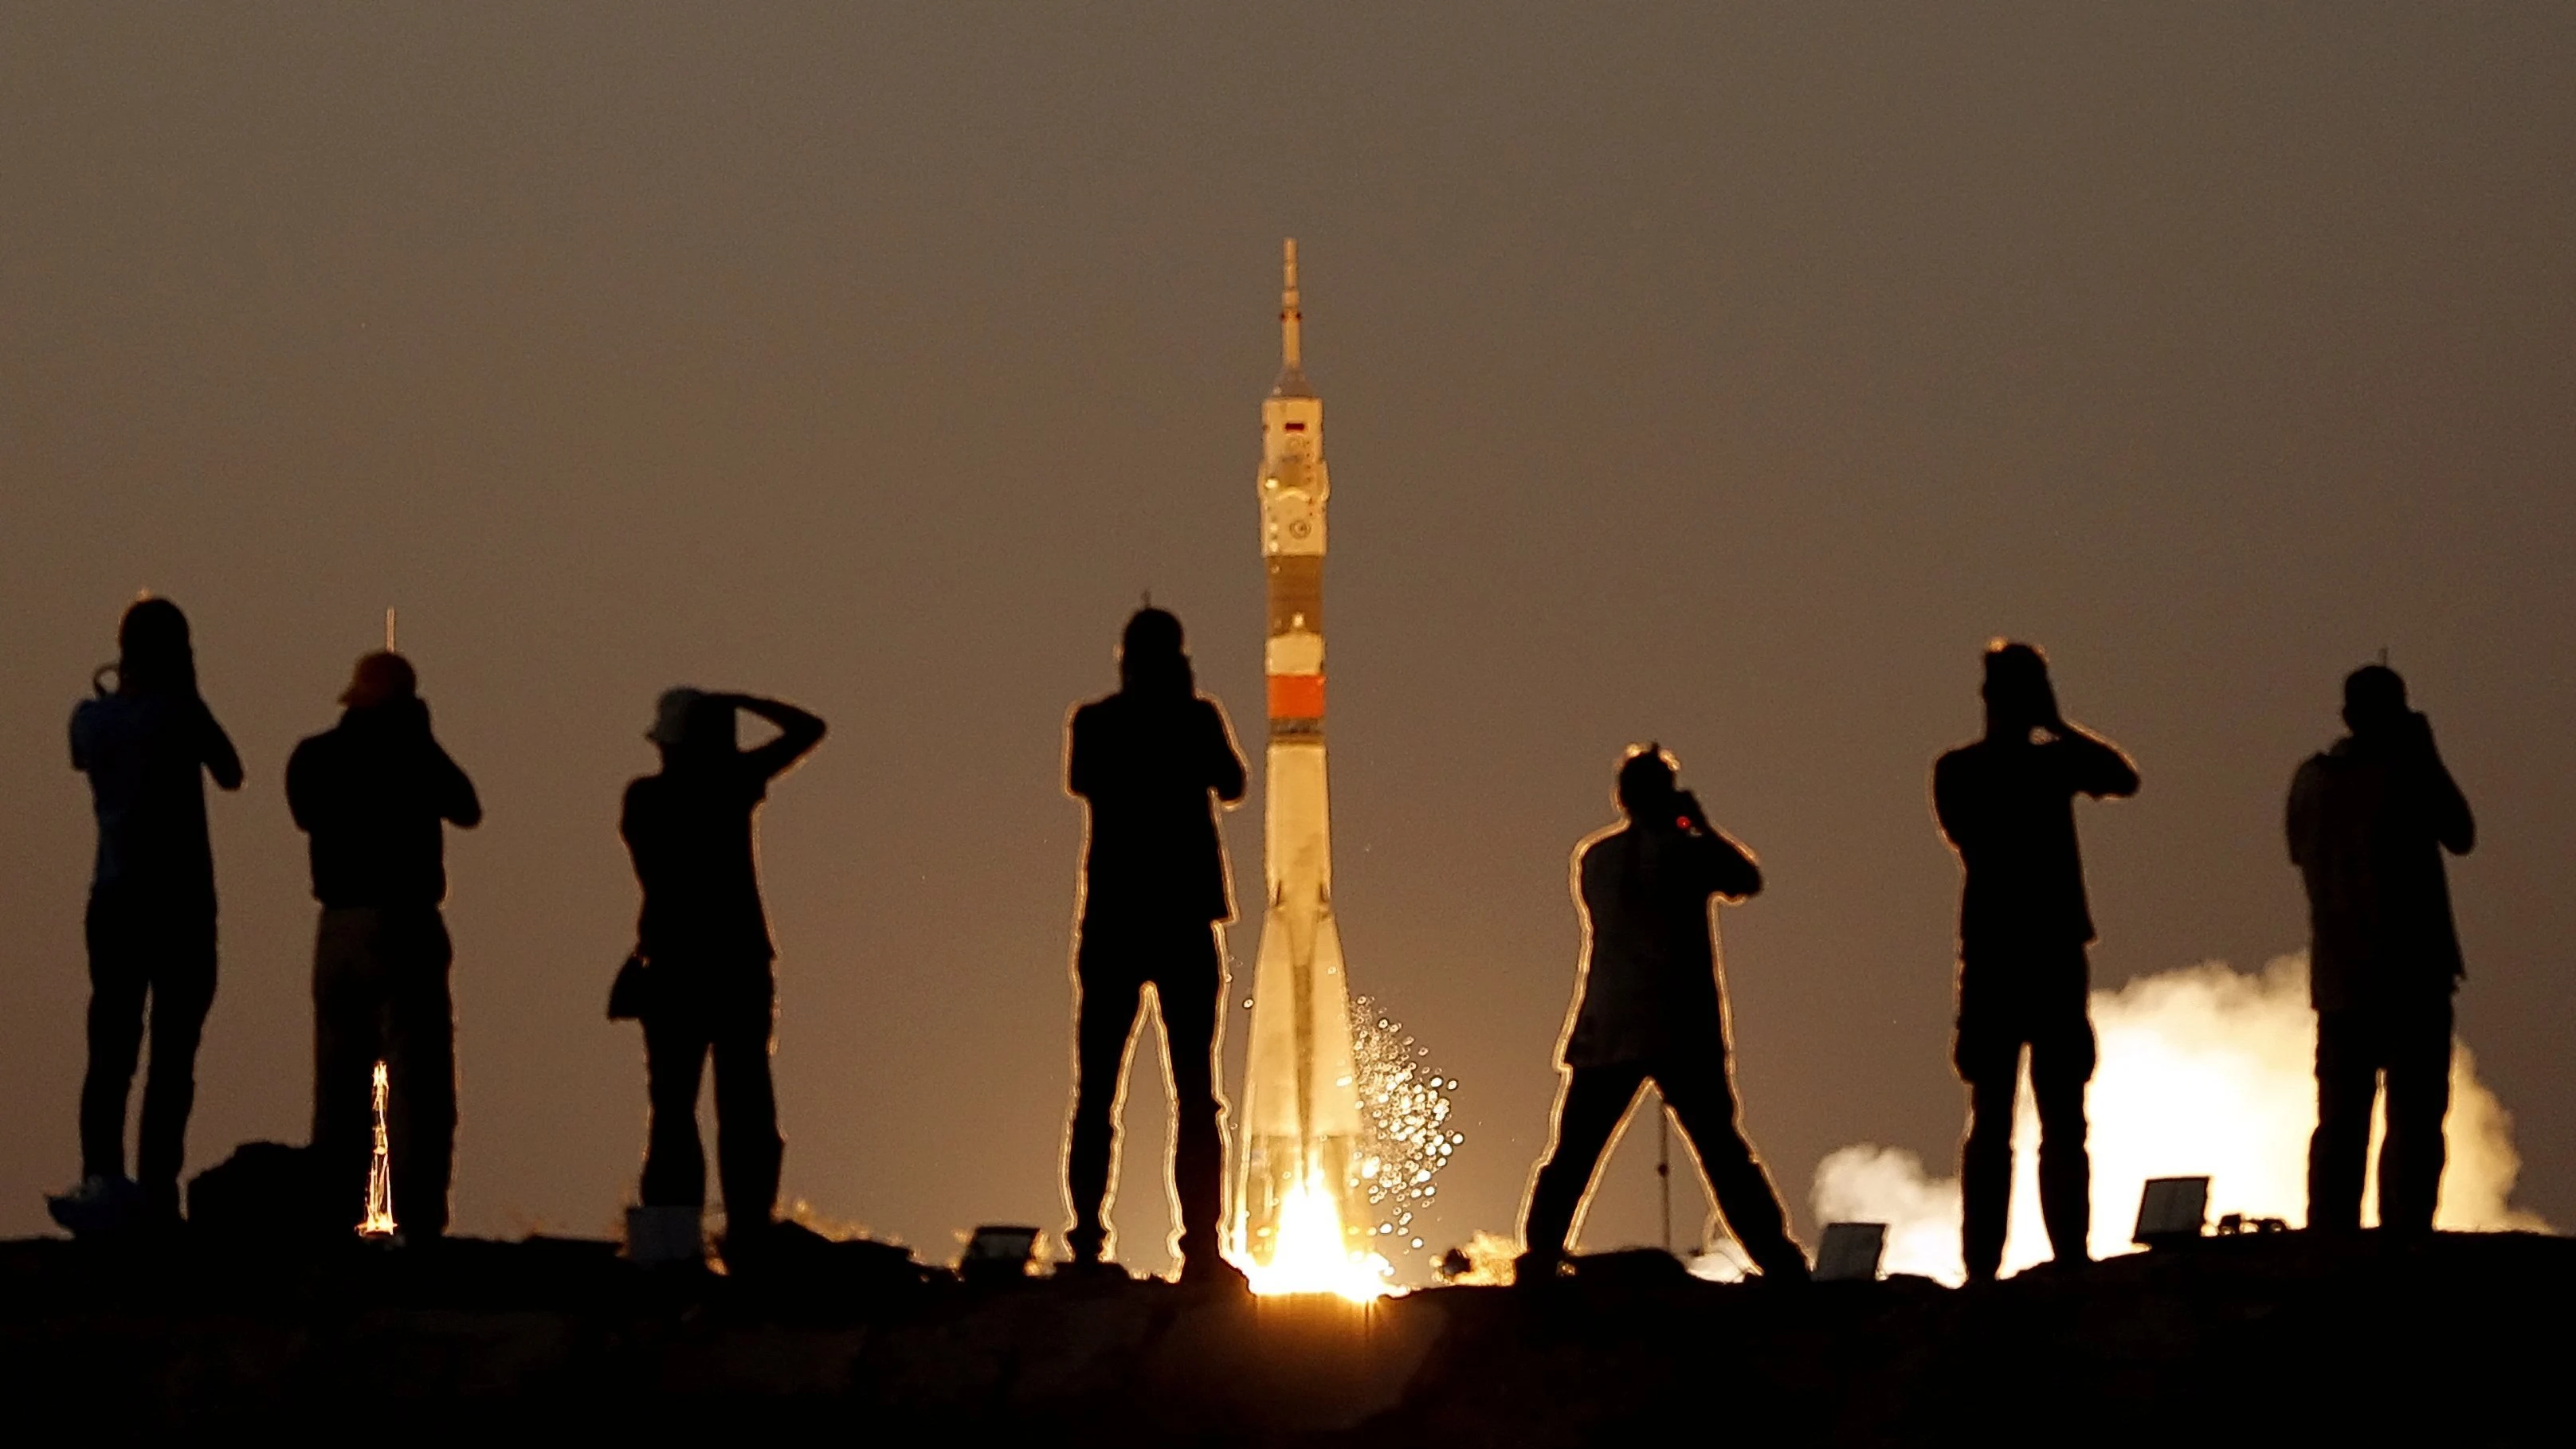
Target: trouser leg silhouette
(2347,1072)
(348,1040)
(380,993)
(675,1062)
(165,952)
(1985,1170)
(1104,1025)
(679,1039)
(2419,1097)
(749,1151)
(2061,1063)
(419,1037)
(119,978)
(1113,967)
(1587,1113)
(1704,1102)
(1187,991)
(2410,1043)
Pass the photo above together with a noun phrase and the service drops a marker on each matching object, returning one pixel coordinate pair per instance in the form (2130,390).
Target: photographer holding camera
(2368,822)
(1651,1006)
(2006,804)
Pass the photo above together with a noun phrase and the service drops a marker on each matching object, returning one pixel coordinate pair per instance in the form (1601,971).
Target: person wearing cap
(2006,804)
(1650,1005)
(705,955)
(147,745)
(374,794)
(2368,822)
(1150,763)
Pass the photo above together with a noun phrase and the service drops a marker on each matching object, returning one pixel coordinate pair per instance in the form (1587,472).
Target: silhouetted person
(2007,805)
(151,922)
(374,793)
(705,940)
(1651,1007)
(1146,760)
(2368,822)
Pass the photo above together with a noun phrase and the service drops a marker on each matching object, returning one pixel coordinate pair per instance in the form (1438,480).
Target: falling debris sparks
(379,1221)
(1406,1107)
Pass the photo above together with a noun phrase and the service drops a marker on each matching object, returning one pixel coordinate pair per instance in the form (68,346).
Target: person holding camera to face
(2368,822)
(2006,804)
(1651,1007)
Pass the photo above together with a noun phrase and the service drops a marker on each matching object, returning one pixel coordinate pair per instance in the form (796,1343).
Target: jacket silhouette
(1651,1007)
(705,940)
(148,746)
(375,794)
(2006,805)
(1149,763)
(2368,822)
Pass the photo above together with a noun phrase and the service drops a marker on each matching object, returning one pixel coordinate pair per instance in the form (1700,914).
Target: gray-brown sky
(1716,374)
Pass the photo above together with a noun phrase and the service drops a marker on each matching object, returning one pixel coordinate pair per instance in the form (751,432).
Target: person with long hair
(147,743)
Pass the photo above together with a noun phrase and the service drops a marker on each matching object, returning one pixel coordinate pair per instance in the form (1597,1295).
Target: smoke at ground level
(2203,1071)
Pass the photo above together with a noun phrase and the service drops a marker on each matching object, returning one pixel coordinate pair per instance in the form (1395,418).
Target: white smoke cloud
(2203,1071)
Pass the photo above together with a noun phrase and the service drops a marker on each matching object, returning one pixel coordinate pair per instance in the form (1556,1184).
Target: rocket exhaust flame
(379,1221)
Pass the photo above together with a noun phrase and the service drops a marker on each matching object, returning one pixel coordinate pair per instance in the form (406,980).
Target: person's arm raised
(2100,770)
(1225,761)
(798,732)
(1728,868)
(457,802)
(2452,823)
(216,750)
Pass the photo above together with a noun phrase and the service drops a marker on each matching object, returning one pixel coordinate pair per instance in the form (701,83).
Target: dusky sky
(1723,375)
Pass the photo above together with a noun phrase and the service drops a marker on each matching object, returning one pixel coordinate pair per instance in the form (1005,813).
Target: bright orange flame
(1310,1256)
(379,1221)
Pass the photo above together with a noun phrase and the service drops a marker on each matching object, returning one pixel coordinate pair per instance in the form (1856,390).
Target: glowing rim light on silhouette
(1310,1256)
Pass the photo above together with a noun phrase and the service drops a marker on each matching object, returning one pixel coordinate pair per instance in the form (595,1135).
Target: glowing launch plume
(2203,1071)
(1404,1106)
(379,1221)
(1311,1255)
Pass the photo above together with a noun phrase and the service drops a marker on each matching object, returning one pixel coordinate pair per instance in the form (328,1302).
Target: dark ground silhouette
(2368,822)
(1652,1008)
(2283,1338)
(1146,761)
(2006,805)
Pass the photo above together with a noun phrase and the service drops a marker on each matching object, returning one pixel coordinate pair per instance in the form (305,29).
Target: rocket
(1302,1158)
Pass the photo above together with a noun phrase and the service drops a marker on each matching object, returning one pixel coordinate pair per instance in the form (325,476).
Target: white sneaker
(659,1237)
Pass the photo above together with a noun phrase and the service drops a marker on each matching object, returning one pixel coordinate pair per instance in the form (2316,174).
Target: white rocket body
(1301,1115)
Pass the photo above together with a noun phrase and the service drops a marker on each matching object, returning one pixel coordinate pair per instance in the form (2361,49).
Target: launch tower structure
(1302,1159)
